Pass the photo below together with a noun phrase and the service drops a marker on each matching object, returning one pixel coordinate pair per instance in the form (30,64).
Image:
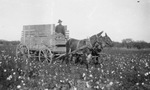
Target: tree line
(130,43)
(8,43)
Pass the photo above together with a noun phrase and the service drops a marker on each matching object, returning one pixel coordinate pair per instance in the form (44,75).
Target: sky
(120,19)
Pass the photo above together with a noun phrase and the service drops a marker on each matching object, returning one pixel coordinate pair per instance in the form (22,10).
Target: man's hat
(59,21)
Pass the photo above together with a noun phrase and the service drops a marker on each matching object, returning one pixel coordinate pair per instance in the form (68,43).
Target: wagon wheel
(45,54)
(22,51)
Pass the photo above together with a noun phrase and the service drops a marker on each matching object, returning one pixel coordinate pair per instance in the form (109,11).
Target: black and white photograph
(74,44)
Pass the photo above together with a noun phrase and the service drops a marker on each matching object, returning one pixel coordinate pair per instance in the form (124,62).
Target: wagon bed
(41,38)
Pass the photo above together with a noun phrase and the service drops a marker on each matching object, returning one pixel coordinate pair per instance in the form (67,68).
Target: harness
(78,44)
(89,42)
(95,42)
(90,45)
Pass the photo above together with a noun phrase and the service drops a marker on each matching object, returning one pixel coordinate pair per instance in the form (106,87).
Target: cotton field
(118,69)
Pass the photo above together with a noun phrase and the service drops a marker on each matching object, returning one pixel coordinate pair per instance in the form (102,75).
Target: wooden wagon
(41,42)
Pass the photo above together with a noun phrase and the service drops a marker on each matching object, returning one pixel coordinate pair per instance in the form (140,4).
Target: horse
(102,42)
(88,47)
(96,41)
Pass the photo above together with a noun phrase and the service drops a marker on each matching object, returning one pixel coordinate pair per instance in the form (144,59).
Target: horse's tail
(68,46)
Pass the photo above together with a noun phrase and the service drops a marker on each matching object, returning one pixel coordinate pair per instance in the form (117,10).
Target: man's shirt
(60,29)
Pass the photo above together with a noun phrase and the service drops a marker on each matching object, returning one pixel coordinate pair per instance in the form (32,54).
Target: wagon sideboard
(37,37)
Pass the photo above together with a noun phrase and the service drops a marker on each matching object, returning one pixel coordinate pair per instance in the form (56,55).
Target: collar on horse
(94,42)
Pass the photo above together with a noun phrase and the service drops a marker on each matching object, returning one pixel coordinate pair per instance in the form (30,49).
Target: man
(60,28)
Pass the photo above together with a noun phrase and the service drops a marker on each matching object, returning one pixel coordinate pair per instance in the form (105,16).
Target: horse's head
(102,41)
(99,43)
(107,40)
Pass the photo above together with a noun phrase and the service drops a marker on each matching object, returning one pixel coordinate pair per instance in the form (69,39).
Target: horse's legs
(96,62)
(73,59)
(84,61)
(77,59)
(66,59)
